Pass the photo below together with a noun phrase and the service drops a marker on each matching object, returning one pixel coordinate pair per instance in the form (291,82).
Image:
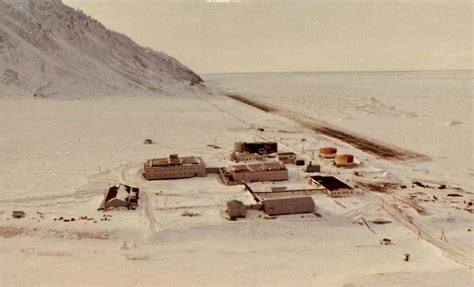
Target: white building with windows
(174,167)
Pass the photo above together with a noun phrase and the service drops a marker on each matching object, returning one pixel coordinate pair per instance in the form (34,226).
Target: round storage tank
(327,152)
(344,159)
(239,146)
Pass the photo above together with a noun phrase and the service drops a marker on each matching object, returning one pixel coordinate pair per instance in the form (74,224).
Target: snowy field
(60,156)
(427,112)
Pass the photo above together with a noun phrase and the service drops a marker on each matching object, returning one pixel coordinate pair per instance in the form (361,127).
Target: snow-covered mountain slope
(50,49)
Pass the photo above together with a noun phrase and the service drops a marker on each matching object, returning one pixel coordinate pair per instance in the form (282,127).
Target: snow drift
(50,49)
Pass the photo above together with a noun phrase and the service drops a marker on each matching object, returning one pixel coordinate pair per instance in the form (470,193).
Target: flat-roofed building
(174,167)
(334,187)
(266,171)
(287,157)
(238,157)
(289,205)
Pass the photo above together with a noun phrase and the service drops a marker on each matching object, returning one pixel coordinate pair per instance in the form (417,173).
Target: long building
(334,187)
(239,157)
(266,171)
(174,167)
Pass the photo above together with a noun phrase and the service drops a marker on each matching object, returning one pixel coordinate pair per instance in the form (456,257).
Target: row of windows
(175,173)
(178,169)
(341,192)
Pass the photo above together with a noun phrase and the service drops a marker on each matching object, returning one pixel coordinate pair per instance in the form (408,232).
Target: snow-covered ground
(59,157)
(428,112)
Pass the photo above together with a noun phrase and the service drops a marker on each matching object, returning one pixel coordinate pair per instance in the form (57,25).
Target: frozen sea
(404,84)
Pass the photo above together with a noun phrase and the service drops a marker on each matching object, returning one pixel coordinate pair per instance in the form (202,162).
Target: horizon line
(339,71)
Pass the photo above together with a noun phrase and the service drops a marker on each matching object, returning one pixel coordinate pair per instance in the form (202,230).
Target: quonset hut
(289,205)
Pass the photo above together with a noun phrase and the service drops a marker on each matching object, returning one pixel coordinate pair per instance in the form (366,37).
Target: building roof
(286,153)
(257,143)
(289,205)
(257,167)
(239,167)
(188,160)
(122,192)
(329,182)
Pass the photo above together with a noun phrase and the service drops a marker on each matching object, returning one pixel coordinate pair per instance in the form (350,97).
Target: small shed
(236,209)
(299,162)
(287,157)
(289,205)
(313,167)
(18,214)
(120,195)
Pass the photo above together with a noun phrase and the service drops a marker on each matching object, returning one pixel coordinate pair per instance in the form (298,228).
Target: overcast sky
(297,35)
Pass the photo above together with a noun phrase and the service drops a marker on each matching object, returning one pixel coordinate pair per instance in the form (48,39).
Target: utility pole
(443,236)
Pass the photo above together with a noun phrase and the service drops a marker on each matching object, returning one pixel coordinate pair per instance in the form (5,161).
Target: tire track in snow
(130,176)
(456,252)
(153,226)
